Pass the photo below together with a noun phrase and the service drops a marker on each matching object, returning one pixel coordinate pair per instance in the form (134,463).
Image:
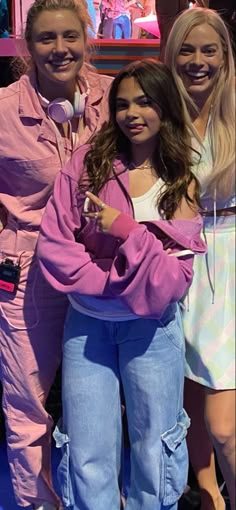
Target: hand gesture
(104,216)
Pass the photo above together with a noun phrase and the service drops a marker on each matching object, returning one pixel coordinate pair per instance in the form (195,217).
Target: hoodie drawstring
(214,248)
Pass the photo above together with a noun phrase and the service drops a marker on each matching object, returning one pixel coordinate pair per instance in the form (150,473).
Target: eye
(121,105)
(185,51)
(209,51)
(72,36)
(145,101)
(46,39)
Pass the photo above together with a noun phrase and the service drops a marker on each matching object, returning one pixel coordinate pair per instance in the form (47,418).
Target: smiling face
(137,116)
(57,48)
(200,60)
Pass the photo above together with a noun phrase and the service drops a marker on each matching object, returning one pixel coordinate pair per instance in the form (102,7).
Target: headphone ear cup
(79,103)
(60,110)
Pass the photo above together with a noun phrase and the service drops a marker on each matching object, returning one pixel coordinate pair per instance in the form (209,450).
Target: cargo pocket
(174,471)
(63,471)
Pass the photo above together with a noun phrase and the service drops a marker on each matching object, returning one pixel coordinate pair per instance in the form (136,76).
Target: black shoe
(191,500)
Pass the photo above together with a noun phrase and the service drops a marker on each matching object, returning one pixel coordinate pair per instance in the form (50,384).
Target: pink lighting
(149,23)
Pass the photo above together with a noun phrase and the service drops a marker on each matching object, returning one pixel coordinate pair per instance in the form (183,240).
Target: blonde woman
(199,54)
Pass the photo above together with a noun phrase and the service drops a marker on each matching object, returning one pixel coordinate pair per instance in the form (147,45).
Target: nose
(197,58)
(59,46)
(132,110)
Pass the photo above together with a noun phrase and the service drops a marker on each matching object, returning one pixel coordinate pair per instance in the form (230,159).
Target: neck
(145,165)
(203,105)
(51,92)
(141,155)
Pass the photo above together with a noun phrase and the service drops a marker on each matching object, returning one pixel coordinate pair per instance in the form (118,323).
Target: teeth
(197,75)
(65,62)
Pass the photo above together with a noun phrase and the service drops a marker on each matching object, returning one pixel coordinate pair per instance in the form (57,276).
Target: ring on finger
(102,205)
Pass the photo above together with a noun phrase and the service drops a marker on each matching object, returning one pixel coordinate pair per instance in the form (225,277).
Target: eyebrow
(208,45)
(135,98)
(52,33)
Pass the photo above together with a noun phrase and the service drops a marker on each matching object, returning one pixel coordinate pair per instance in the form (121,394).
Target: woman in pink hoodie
(118,237)
(38,133)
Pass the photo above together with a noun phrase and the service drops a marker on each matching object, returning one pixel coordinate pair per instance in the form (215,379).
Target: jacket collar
(29,104)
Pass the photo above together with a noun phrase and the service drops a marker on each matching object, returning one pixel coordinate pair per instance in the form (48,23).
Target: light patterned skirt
(209,309)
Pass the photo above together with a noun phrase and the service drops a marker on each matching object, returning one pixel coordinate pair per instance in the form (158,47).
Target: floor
(7,501)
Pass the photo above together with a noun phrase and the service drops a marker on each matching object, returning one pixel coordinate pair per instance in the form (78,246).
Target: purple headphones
(61,110)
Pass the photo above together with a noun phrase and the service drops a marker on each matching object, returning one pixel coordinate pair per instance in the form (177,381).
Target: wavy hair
(172,153)
(222,116)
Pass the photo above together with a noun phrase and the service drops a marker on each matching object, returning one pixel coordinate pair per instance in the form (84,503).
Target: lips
(61,63)
(135,127)
(197,75)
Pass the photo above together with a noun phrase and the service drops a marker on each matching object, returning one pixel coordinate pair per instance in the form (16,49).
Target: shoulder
(9,94)
(12,95)
(105,80)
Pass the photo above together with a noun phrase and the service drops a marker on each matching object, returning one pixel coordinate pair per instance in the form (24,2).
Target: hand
(104,216)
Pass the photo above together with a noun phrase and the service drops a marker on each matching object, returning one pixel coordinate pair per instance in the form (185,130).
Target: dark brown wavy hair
(171,158)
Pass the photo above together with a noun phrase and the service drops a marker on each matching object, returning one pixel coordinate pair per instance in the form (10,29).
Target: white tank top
(145,207)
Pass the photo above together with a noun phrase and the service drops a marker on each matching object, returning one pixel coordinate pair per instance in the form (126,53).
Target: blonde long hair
(222,121)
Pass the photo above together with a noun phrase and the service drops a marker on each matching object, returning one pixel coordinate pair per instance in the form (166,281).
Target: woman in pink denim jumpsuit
(33,148)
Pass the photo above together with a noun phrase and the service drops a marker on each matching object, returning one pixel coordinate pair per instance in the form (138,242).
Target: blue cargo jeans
(147,356)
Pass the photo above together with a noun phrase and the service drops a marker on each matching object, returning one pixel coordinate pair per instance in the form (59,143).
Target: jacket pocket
(3,218)
(174,471)
(63,471)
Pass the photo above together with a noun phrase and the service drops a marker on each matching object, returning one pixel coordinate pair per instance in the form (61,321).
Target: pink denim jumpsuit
(31,322)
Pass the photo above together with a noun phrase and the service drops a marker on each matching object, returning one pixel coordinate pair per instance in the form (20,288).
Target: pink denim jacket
(130,263)
(29,152)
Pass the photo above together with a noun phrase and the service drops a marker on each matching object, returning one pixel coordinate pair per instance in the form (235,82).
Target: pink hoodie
(130,263)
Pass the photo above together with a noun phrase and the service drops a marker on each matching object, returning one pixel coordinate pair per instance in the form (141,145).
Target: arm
(66,264)
(143,274)
(148,279)
(106,4)
(185,210)
(167,11)
(130,3)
